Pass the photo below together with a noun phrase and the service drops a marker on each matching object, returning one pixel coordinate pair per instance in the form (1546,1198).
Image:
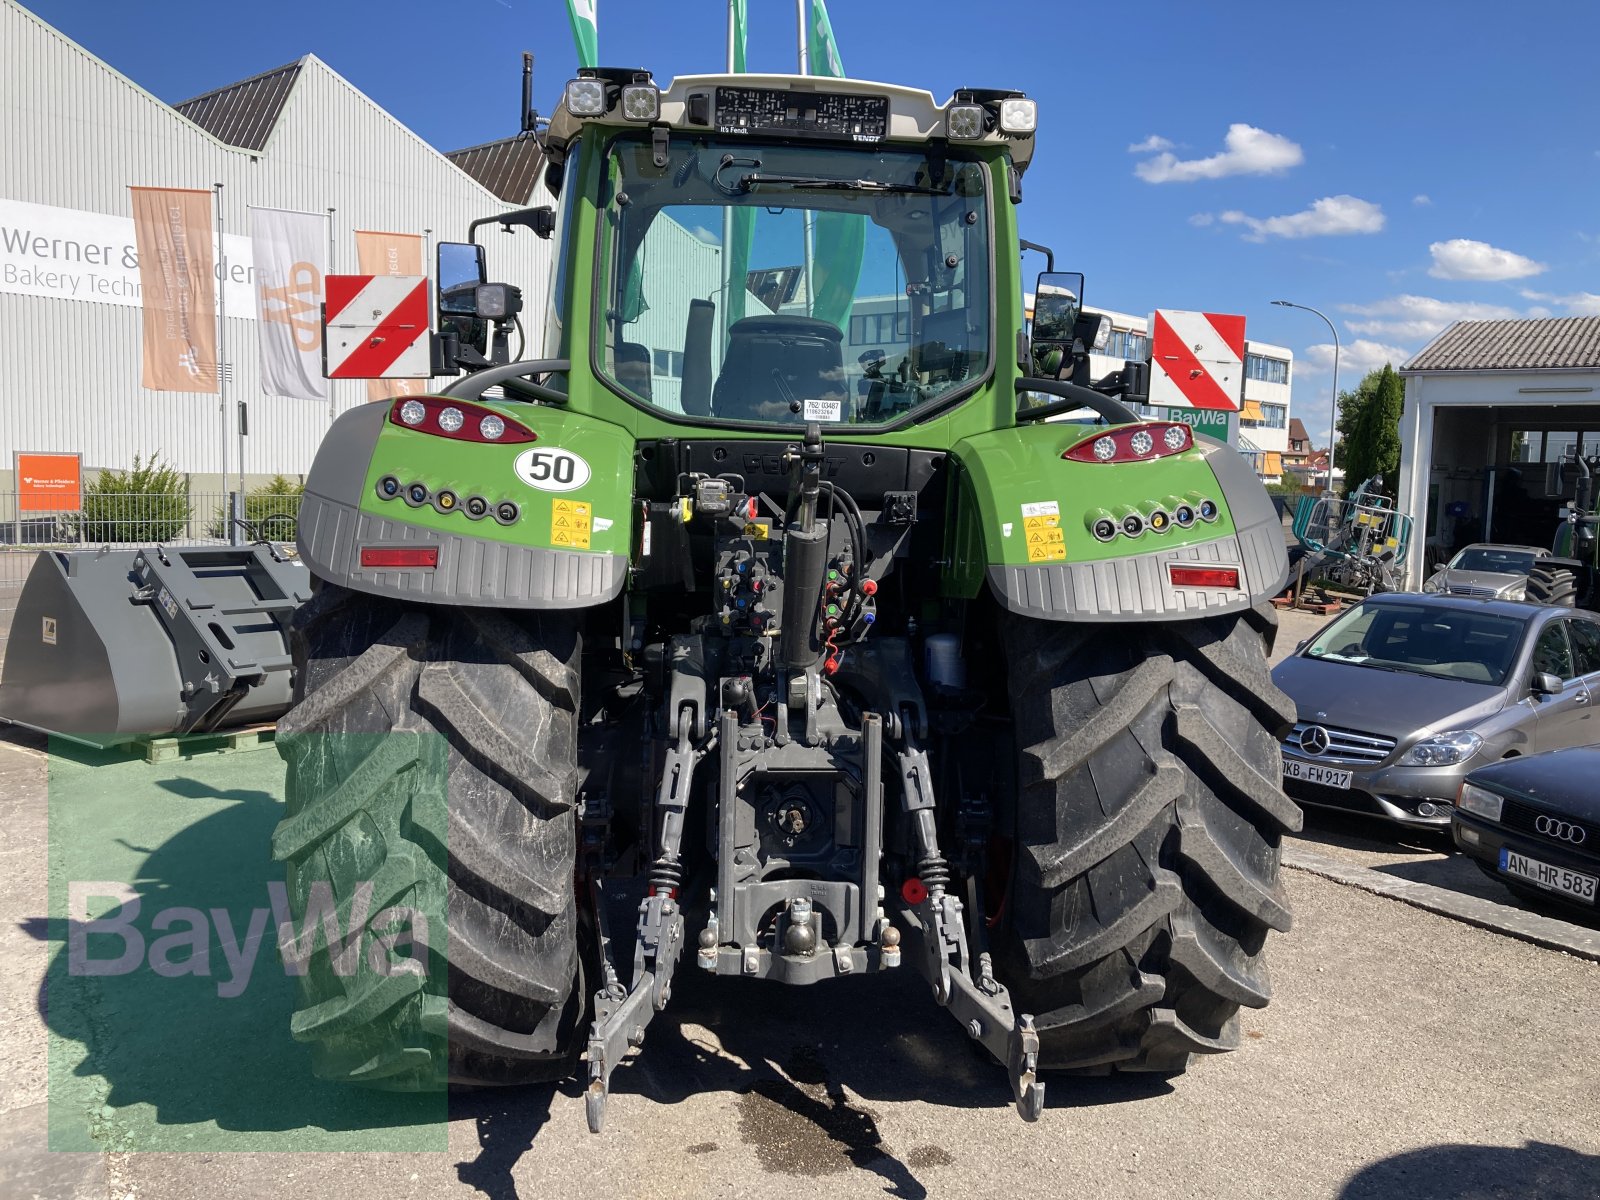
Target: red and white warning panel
(375,327)
(1196,359)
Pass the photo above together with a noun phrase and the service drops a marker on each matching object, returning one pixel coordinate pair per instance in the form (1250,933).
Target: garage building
(1492,409)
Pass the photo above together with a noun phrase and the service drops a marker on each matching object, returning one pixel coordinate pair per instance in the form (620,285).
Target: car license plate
(1554,879)
(1293,768)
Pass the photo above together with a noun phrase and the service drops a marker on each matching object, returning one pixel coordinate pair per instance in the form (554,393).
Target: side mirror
(1057,301)
(1546,684)
(1302,644)
(459,274)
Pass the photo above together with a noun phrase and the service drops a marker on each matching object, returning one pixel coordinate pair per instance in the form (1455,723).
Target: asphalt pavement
(1405,1053)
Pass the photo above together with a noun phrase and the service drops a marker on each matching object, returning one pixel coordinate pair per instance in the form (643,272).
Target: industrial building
(1492,410)
(75,135)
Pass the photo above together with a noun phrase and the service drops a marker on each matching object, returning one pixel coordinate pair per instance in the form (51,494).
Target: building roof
(1512,346)
(509,168)
(1297,430)
(243,114)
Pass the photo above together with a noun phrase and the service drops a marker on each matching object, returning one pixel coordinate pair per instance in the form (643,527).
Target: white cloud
(1423,200)
(1201,220)
(1250,151)
(1151,145)
(1463,258)
(1330,216)
(705,235)
(1578,304)
(1419,318)
(1355,360)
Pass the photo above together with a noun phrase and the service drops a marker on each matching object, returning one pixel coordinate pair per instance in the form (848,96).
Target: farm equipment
(772,628)
(111,644)
(1570,577)
(1357,544)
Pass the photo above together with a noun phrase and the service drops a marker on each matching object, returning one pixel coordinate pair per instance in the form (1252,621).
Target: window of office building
(1275,416)
(1267,370)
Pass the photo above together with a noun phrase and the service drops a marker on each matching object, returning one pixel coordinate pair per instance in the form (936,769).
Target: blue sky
(1397,165)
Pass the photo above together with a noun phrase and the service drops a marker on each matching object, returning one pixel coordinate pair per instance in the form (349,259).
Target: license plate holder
(1562,880)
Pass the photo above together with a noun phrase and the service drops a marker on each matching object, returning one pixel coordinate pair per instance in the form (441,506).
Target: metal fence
(132,519)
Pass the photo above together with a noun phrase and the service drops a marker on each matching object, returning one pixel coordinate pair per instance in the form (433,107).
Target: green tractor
(1572,576)
(798,615)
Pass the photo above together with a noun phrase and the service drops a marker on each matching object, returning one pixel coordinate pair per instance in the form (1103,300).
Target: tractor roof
(702,102)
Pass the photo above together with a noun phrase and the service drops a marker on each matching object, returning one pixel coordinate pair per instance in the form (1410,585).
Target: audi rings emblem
(1562,831)
(1314,739)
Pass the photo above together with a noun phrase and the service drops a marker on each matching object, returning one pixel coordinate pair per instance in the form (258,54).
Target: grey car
(1402,695)
(1487,569)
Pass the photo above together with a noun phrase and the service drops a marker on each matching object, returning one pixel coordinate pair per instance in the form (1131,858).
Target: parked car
(1534,824)
(1399,697)
(1487,569)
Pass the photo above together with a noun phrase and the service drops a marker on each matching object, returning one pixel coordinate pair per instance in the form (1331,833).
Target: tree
(1373,440)
(1350,407)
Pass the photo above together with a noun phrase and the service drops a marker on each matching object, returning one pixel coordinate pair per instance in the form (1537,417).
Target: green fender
(569,530)
(1023,523)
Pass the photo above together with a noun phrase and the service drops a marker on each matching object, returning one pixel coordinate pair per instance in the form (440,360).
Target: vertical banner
(839,240)
(172,229)
(585,30)
(390,254)
(291,252)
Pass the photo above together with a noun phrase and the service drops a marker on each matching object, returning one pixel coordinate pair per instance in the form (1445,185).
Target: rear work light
(1133,443)
(1205,577)
(400,556)
(457,419)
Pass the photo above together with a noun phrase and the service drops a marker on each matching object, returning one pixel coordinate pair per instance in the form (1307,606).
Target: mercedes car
(1487,569)
(1403,694)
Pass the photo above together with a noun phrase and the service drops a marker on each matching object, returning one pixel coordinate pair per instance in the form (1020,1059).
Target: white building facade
(75,135)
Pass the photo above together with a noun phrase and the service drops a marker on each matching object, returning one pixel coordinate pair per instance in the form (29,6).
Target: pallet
(169,749)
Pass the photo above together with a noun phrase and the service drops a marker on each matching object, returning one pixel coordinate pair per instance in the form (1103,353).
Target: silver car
(1402,695)
(1487,569)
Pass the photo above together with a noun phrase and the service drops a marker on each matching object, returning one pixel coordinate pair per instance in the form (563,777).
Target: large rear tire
(1556,586)
(1148,822)
(432,754)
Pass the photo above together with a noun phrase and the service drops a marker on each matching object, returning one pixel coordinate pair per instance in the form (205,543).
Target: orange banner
(390,254)
(49,482)
(172,228)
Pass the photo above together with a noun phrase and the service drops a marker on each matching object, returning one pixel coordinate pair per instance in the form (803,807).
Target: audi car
(1534,824)
(1487,569)
(1403,694)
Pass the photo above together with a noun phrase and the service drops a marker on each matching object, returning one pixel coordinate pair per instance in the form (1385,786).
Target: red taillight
(1207,577)
(400,556)
(1133,443)
(443,417)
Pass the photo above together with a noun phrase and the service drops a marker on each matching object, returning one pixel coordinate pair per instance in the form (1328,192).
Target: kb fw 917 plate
(1293,768)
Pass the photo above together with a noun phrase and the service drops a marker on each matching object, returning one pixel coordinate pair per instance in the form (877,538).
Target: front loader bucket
(108,645)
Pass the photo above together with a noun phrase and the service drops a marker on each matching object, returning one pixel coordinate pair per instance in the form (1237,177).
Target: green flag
(585,30)
(739,231)
(838,239)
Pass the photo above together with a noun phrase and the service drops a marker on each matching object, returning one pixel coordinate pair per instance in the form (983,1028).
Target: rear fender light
(457,419)
(1132,443)
(1204,577)
(393,557)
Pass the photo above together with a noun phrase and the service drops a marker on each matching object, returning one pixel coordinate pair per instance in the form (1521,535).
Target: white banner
(70,254)
(290,252)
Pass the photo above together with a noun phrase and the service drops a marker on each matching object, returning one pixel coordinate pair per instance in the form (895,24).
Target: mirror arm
(511,375)
(1073,396)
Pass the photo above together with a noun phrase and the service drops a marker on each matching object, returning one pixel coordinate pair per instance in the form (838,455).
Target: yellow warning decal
(1041,531)
(570,523)
(761,530)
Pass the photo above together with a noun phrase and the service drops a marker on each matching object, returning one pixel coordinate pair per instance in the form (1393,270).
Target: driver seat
(774,360)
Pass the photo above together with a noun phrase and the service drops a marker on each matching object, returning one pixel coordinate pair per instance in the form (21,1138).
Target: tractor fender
(1024,519)
(564,548)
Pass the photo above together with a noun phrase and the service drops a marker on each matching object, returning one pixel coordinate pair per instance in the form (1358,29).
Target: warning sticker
(760,530)
(570,523)
(1043,508)
(49,631)
(1041,531)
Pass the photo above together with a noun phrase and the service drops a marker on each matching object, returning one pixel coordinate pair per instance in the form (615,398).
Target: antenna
(529,117)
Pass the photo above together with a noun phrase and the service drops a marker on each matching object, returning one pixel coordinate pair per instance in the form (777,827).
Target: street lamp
(1334,412)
